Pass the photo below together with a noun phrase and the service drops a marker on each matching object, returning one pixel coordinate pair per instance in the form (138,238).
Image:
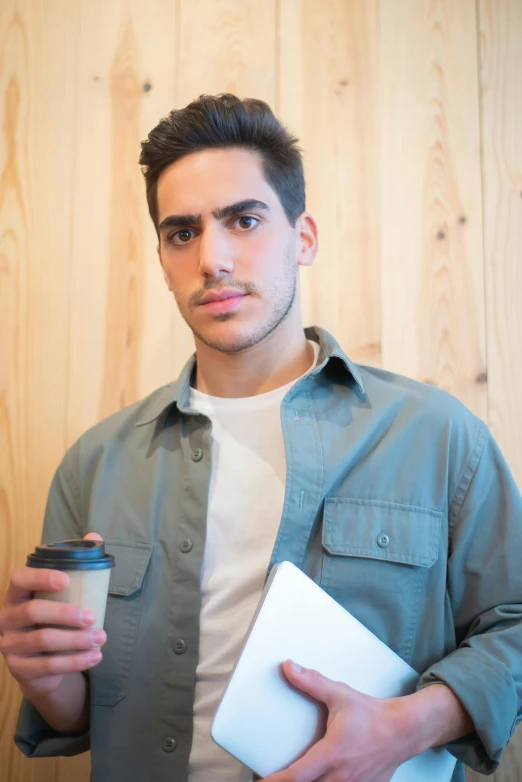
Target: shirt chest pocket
(110,680)
(376,558)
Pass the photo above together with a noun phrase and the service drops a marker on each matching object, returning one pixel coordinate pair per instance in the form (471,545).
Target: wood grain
(431,208)
(500,47)
(500,68)
(37,99)
(328,90)
(126,278)
(121,315)
(410,116)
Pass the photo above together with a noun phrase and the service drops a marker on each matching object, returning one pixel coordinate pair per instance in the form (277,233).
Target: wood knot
(463,219)
(4,265)
(482,377)
(147,86)
(441,235)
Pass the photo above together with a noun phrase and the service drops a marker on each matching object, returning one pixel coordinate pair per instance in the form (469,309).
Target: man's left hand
(366,738)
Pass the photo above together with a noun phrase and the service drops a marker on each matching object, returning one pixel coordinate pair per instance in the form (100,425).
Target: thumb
(314,683)
(92,536)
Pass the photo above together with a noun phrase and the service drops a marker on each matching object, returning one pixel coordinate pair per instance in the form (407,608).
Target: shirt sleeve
(485,591)
(33,736)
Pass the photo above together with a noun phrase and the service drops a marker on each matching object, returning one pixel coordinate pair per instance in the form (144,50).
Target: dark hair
(219,121)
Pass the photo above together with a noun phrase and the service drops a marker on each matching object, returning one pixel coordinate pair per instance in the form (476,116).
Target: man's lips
(225,301)
(220,296)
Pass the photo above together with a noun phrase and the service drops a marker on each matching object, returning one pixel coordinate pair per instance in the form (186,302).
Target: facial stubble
(284,293)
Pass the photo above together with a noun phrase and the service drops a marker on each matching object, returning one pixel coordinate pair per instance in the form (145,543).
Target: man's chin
(228,337)
(226,344)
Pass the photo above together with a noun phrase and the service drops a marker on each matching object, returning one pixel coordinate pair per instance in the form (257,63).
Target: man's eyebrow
(178,221)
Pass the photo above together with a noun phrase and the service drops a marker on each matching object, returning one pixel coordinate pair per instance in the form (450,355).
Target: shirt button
(180,646)
(186,545)
(383,540)
(169,745)
(197,455)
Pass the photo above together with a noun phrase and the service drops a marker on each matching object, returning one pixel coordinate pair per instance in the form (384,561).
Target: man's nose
(215,253)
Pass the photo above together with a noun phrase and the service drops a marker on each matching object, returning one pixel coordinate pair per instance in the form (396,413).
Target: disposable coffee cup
(88,568)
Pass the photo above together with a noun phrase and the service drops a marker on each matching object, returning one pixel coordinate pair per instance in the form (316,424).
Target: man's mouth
(215,302)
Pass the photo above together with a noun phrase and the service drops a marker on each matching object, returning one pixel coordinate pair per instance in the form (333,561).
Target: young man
(272,445)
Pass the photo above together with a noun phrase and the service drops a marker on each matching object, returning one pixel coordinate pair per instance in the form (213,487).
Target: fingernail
(87,617)
(95,657)
(296,668)
(60,580)
(98,637)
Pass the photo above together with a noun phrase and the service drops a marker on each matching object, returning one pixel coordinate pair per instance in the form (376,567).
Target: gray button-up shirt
(398,503)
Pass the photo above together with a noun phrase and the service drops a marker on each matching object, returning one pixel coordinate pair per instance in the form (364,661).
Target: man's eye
(246,221)
(184,235)
(181,237)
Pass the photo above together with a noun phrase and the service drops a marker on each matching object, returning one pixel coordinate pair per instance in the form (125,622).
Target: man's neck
(275,361)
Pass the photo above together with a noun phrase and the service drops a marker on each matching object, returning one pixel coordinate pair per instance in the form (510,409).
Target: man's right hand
(29,649)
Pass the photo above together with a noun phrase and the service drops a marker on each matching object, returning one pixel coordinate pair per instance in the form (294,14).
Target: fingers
(32,668)
(309,768)
(45,612)
(49,639)
(27,580)
(315,684)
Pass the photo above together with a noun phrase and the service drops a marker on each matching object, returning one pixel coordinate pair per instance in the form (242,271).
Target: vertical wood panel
(432,259)
(328,96)
(501,85)
(226,47)
(500,61)
(37,105)
(384,95)
(120,326)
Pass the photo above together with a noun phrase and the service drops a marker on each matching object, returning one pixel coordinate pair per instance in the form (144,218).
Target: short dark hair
(220,121)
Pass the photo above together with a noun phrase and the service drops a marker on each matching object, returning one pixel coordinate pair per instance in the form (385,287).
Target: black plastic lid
(71,555)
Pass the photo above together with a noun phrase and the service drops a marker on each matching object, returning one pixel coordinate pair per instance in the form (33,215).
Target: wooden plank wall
(410,115)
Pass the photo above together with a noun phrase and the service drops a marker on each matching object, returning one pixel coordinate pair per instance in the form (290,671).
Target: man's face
(228,252)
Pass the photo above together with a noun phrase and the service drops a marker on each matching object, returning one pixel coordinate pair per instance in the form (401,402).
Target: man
(270,446)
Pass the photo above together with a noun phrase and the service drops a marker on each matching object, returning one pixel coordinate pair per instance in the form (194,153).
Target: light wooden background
(410,112)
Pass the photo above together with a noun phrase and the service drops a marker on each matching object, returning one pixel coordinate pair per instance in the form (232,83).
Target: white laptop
(266,723)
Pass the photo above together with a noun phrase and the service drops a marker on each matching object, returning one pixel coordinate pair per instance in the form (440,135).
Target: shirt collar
(178,392)
(329,348)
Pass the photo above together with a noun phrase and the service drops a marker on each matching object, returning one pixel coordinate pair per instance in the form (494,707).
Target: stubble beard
(284,295)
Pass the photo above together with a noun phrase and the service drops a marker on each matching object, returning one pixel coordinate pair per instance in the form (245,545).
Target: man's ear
(307,238)
(158,250)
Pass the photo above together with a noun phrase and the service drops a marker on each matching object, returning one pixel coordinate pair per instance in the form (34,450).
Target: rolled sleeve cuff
(485,688)
(36,739)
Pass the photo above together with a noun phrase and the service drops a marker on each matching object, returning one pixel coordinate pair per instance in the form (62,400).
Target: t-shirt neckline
(198,398)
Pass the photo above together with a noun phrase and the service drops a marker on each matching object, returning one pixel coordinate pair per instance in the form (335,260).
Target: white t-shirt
(246,496)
